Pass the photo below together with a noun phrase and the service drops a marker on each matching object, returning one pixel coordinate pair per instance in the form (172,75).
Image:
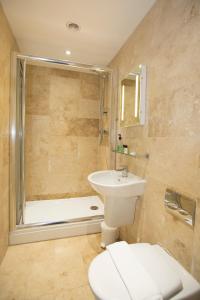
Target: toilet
(140,272)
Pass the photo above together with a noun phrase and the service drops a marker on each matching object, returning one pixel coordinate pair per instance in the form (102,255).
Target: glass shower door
(19,184)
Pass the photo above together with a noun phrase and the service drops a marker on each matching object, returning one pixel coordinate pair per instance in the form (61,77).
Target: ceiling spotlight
(72,26)
(99,70)
(68,52)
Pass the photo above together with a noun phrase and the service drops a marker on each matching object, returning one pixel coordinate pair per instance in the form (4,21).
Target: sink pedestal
(118,211)
(109,234)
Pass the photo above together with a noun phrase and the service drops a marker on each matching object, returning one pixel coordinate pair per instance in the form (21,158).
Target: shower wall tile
(36,185)
(62,127)
(63,145)
(7,45)
(88,109)
(167,41)
(87,148)
(63,164)
(37,95)
(60,183)
(64,92)
(37,125)
(75,127)
(90,87)
(87,155)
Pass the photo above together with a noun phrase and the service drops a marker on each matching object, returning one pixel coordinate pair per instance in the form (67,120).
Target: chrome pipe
(101,109)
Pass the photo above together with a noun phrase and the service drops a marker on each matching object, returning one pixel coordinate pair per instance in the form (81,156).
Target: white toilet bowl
(107,283)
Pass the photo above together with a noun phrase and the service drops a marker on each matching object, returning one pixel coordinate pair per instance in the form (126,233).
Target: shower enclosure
(59,133)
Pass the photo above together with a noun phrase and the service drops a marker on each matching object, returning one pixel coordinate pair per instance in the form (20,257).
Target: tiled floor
(50,270)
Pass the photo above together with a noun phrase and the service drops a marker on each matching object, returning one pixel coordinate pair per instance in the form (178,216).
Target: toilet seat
(106,283)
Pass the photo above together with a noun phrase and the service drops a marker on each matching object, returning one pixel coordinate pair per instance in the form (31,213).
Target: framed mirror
(133,98)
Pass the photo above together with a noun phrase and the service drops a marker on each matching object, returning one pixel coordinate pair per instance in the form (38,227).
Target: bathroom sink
(120,195)
(111,183)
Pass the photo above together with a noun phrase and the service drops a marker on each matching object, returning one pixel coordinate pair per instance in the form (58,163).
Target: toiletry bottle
(120,147)
(125,149)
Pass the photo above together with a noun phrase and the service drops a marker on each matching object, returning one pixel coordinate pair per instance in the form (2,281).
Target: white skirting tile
(48,232)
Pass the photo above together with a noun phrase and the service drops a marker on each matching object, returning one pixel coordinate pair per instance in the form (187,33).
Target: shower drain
(94,207)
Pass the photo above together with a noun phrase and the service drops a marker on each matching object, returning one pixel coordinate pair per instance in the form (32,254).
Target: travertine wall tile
(62,127)
(88,109)
(7,45)
(89,86)
(167,41)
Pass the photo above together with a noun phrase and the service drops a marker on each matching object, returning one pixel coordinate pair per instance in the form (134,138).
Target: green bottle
(120,147)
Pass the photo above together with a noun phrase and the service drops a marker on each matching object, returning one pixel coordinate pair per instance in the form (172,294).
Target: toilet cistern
(120,194)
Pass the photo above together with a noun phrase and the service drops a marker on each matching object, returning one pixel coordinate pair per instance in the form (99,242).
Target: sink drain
(94,207)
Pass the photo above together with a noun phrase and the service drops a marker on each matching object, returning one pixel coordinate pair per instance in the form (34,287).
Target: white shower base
(63,210)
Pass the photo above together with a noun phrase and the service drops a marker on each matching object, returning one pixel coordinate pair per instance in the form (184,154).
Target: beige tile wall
(168,42)
(7,44)
(62,123)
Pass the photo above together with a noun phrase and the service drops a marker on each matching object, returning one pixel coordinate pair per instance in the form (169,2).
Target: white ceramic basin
(110,183)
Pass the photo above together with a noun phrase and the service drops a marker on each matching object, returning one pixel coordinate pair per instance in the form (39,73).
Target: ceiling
(40,27)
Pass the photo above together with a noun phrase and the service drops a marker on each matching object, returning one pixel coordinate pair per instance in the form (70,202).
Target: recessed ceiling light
(68,52)
(99,70)
(73,26)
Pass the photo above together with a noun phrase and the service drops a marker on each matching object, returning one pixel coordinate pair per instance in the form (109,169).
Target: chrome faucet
(124,170)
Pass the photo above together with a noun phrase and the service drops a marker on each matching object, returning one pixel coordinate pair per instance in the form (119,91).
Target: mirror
(132,98)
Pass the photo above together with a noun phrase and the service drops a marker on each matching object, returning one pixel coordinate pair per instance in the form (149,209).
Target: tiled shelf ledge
(136,155)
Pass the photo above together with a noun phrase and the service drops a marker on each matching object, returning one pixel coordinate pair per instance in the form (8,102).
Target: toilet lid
(105,281)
